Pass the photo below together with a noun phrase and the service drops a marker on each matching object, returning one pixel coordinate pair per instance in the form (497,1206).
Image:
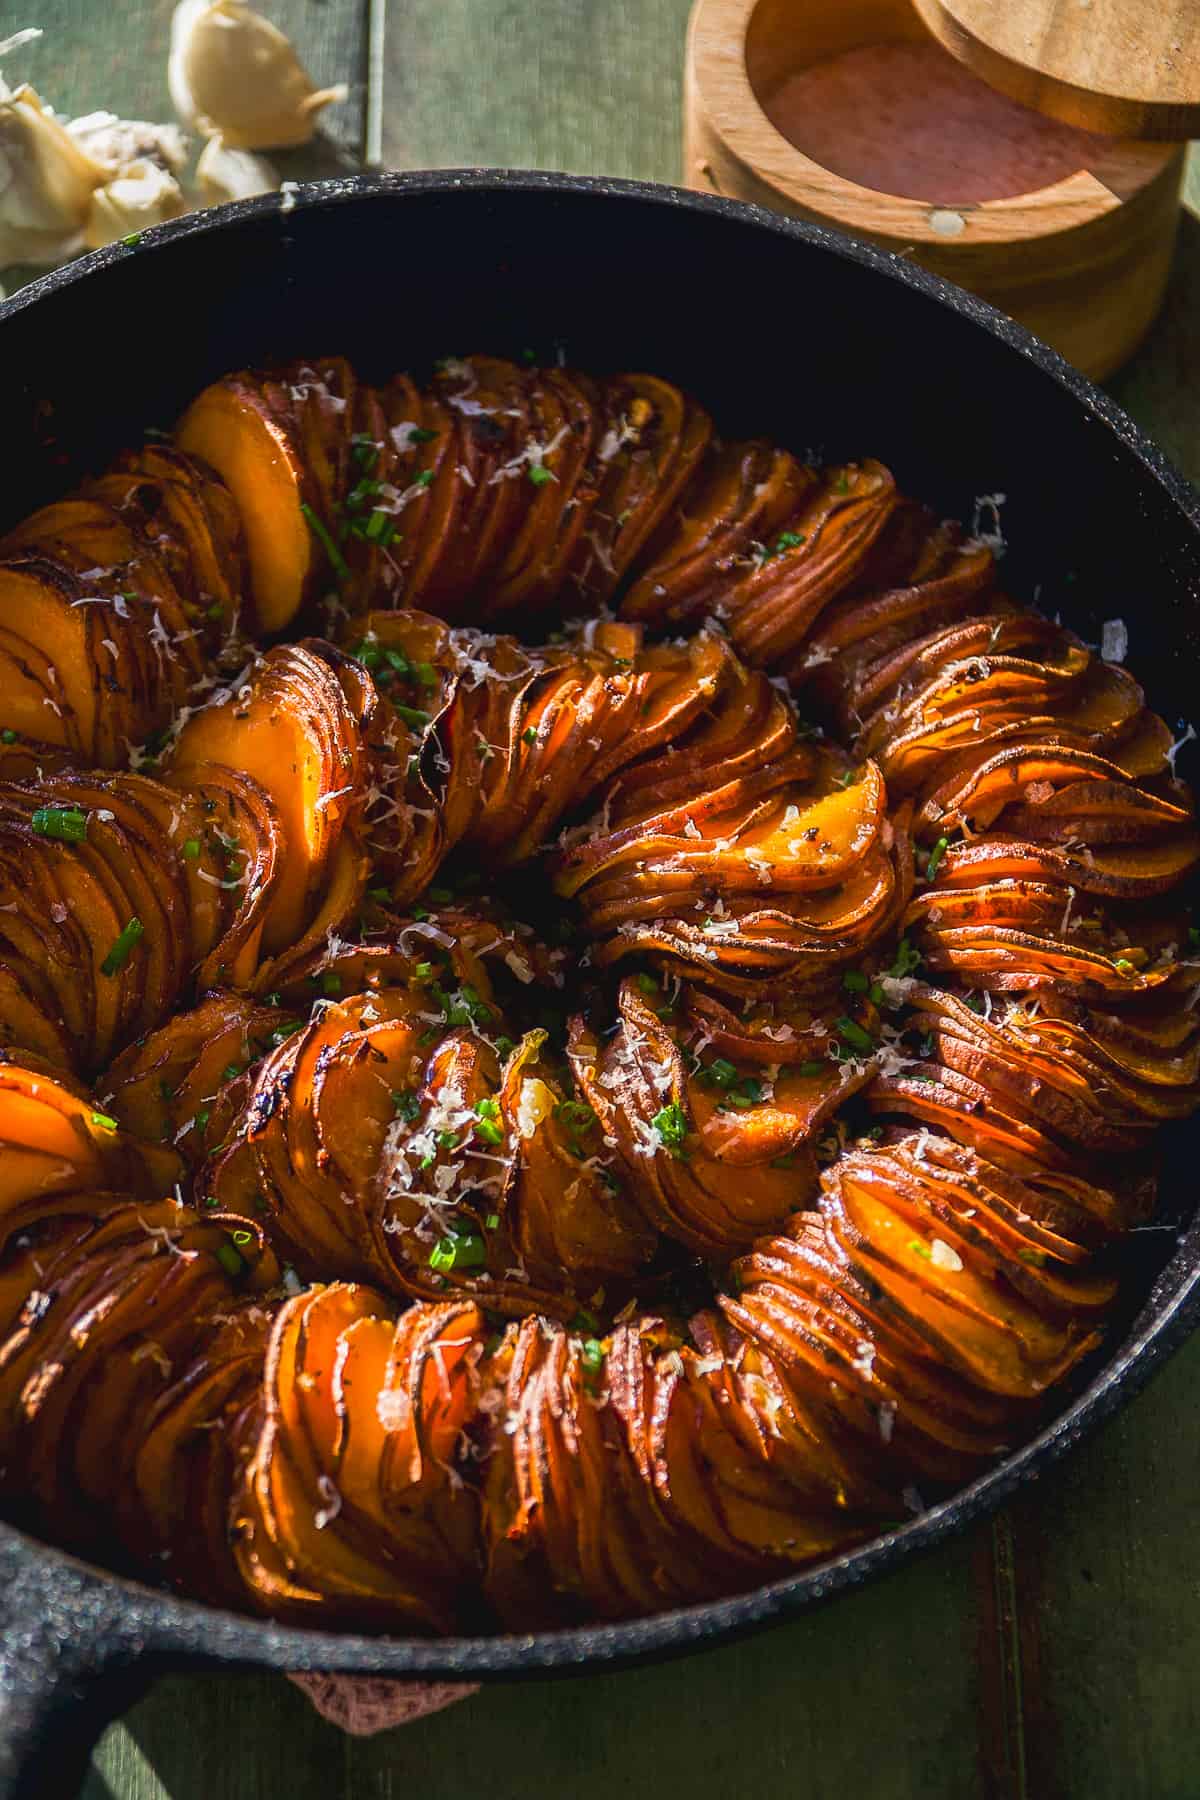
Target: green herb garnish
(123,948)
(852,1033)
(66,823)
(337,561)
(672,1127)
(458,1250)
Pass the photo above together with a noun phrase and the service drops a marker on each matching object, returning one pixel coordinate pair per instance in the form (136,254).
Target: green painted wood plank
(1107,1580)
(588,85)
(1161,386)
(875,1696)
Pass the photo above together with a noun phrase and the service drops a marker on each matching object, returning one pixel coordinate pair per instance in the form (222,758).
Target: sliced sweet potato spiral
(114,604)
(565,1137)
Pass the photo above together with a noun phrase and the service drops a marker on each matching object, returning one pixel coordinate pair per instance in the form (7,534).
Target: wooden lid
(1130,68)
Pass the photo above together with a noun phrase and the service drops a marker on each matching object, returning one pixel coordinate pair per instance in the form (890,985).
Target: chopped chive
(414,716)
(935,856)
(282,1032)
(920,1249)
(647,984)
(424,478)
(489,1131)
(529,735)
(66,823)
(504,1047)
(360,493)
(337,561)
(591,1355)
(575,1116)
(671,1125)
(191,848)
(853,1034)
(9,735)
(229,1259)
(539,475)
(855,982)
(406,1104)
(364,450)
(492,1222)
(907,959)
(103,1122)
(122,949)
(135,237)
(331,983)
(458,1250)
(380,895)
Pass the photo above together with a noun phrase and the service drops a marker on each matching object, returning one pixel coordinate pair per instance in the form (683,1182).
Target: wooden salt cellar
(1082,262)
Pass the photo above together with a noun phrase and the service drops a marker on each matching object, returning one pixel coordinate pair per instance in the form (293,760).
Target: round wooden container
(1082,262)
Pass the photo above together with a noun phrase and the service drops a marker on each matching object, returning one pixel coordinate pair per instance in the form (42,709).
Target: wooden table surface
(1050,1655)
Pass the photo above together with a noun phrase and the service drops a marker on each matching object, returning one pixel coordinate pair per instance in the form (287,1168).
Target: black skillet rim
(159,1622)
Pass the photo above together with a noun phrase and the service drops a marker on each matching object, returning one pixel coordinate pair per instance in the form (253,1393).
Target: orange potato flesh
(230,429)
(377,1097)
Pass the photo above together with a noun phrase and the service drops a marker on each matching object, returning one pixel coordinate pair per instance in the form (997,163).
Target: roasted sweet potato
(678,1281)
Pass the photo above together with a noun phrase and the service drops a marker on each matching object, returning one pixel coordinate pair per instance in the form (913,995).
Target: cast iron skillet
(780,328)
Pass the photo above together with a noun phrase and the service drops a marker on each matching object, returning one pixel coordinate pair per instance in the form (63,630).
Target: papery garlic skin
(224,174)
(118,142)
(143,194)
(234,74)
(47,180)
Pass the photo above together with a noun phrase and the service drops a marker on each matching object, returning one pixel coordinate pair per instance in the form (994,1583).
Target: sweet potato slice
(230,428)
(291,730)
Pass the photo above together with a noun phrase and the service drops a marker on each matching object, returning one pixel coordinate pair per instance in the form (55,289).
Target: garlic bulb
(231,72)
(142,194)
(225,174)
(46,182)
(118,142)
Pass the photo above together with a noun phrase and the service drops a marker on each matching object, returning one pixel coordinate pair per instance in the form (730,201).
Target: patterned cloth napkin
(363,1704)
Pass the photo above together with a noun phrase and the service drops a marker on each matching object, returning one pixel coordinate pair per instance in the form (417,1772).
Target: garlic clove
(225,174)
(142,194)
(233,73)
(118,142)
(46,182)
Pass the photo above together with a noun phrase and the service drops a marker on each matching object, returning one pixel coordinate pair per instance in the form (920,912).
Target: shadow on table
(1159,385)
(322,160)
(780,1713)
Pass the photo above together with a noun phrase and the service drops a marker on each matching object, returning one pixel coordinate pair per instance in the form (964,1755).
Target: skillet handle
(68,1666)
